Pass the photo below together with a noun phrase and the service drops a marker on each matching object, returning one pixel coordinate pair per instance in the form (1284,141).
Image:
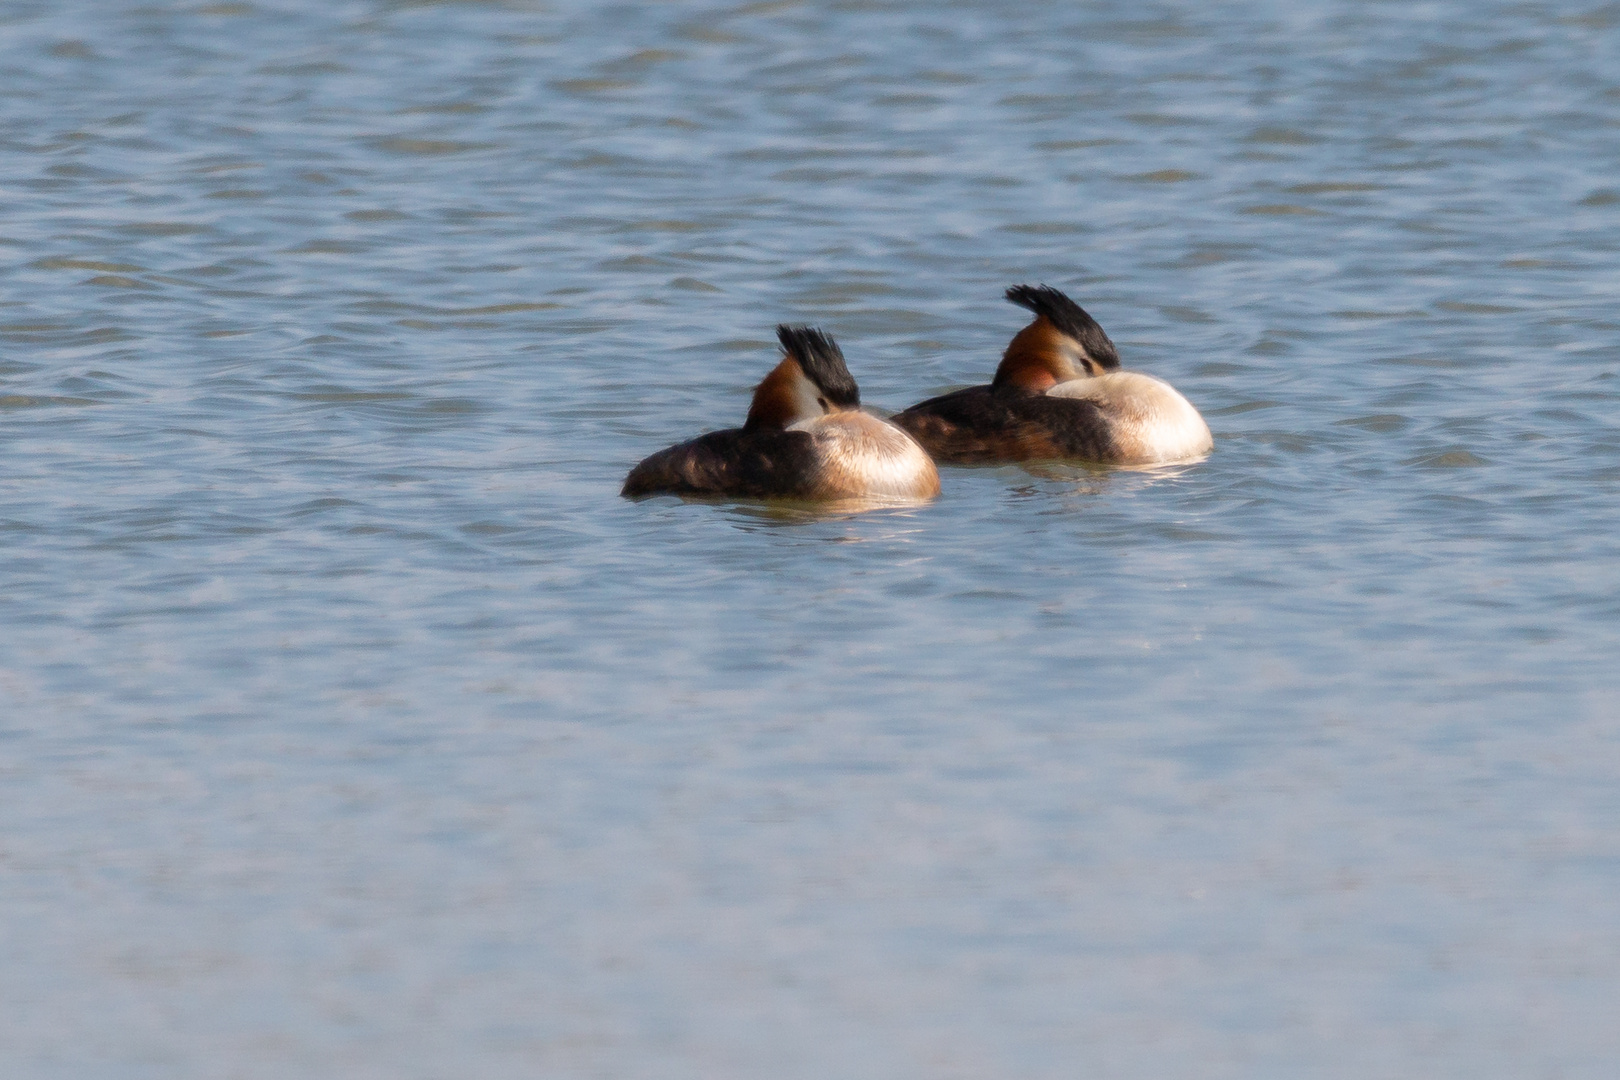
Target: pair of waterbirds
(1059,394)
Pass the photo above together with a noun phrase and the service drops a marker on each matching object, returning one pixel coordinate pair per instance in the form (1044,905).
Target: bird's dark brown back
(749,464)
(980,425)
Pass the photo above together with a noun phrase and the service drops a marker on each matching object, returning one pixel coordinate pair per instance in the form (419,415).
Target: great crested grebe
(1059,393)
(805,438)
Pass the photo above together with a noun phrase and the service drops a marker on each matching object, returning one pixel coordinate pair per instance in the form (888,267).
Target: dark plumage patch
(982,424)
(823,361)
(754,463)
(1070,318)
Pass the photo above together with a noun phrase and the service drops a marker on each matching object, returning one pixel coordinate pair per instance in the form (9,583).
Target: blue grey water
(354,726)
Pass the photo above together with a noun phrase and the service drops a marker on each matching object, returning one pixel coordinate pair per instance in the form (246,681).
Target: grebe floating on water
(805,438)
(1059,393)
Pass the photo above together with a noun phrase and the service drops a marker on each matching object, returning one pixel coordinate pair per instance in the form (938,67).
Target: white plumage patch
(861,455)
(1151,422)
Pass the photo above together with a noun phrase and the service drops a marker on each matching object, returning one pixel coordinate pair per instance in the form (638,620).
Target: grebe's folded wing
(981,424)
(749,463)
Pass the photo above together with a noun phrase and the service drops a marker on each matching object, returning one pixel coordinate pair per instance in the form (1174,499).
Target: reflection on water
(352,723)
(785,512)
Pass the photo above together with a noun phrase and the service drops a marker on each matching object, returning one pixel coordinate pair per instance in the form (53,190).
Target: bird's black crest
(823,361)
(1070,318)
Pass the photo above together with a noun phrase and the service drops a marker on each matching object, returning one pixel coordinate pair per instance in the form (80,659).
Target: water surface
(354,726)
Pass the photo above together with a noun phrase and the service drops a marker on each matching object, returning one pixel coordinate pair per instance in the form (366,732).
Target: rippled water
(354,726)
